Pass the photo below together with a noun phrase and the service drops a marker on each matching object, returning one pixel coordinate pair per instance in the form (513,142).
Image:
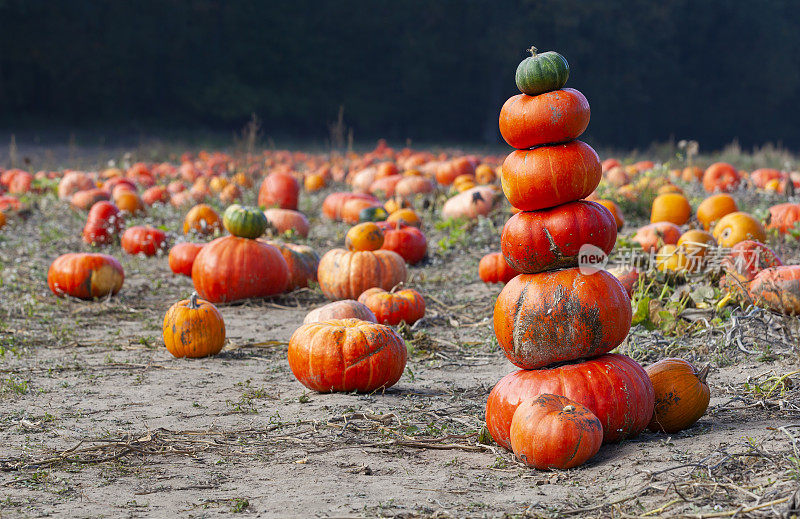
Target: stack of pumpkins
(557,321)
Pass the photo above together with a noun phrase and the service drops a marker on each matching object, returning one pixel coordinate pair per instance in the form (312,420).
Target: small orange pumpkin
(193,328)
(554,432)
(202,219)
(364,236)
(394,307)
(682,394)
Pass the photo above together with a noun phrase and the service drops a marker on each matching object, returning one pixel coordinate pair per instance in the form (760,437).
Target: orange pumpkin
(722,177)
(302,261)
(129,202)
(549,317)
(670,259)
(695,244)
(364,236)
(681,392)
(670,207)
(347,355)
(783,217)
(778,289)
(202,219)
(193,328)
(616,212)
(345,309)
(737,227)
(485,174)
(394,307)
(85,276)
(692,174)
(554,432)
(550,175)
(715,207)
(450,170)
(408,187)
(348,274)
(285,220)
(557,116)
(470,204)
(652,237)
(406,216)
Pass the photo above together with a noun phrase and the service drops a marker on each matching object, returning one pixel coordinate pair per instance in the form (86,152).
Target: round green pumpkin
(542,73)
(373,214)
(244,222)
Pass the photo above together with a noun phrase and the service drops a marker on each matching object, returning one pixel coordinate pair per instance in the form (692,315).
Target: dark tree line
(435,70)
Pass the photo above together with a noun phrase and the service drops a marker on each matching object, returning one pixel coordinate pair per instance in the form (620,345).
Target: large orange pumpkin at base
(614,387)
(347,355)
(549,317)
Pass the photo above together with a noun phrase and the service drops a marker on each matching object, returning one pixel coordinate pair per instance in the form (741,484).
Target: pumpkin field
(545,328)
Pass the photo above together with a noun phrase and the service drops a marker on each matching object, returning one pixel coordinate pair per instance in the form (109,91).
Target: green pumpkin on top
(542,73)
(244,222)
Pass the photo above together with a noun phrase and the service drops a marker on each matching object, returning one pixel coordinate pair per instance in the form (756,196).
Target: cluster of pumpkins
(553,321)
(681,241)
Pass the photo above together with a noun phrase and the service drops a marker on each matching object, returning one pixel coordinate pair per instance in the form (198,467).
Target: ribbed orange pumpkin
(681,392)
(193,328)
(347,355)
(549,317)
(554,432)
(348,274)
(548,176)
(394,307)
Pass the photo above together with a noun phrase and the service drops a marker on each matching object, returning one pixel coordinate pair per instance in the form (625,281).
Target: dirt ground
(97,419)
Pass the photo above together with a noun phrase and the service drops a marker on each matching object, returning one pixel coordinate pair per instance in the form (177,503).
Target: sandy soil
(98,420)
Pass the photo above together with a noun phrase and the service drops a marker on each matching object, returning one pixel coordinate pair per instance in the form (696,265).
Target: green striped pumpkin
(542,73)
(244,222)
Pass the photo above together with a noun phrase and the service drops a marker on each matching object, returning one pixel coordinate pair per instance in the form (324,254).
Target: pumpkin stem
(532,50)
(193,301)
(704,373)
(568,408)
